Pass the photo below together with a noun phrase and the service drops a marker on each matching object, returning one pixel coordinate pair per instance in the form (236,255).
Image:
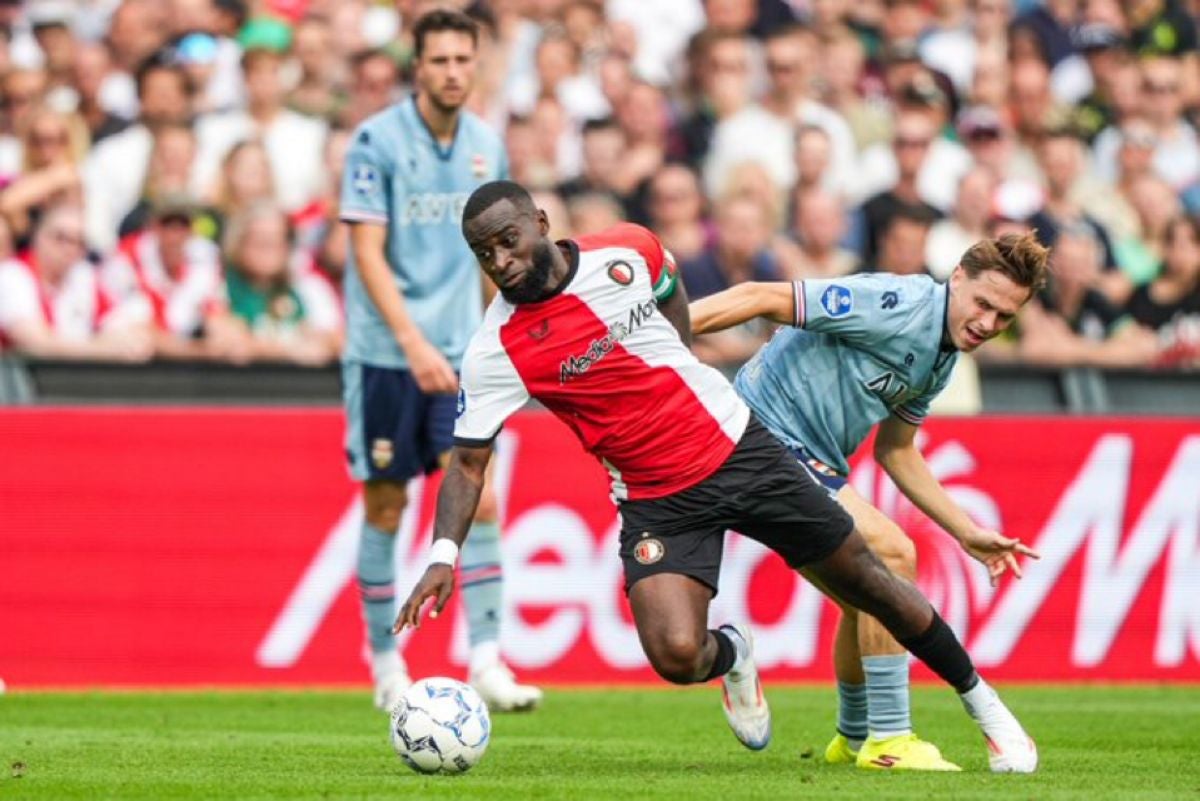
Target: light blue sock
(852,713)
(888,711)
(482,581)
(376,586)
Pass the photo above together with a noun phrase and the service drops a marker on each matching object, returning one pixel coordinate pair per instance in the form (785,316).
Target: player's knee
(385,516)
(676,657)
(898,552)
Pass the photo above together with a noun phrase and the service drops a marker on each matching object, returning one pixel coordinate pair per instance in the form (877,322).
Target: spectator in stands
(603,153)
(137,30)
(903,244)
(374,79)
(1072,322)
(316,92)
(719,84)
(911,150)
(961,51)
(819,223)
(244,180)
(92,69)
(21,93)
(1105,49)
(645,118)
(1177,148)
(592,212)
(841,69)
(1061,158)
(292,141)
(169,173)
(559,73)
(949,238)
(53,306)
(272,311)
(1156,205)
(677,209)
(173,272)
(115,170)
(1170,304)
(52,149)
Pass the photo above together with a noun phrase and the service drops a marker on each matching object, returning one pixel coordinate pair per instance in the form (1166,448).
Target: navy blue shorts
(394,430)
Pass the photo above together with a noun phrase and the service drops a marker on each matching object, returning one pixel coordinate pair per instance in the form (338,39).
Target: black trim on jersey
(465,442)
(448,153)
(947,342)
(572,268)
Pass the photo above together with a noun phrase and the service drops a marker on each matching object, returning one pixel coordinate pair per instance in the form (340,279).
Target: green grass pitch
(1096,742)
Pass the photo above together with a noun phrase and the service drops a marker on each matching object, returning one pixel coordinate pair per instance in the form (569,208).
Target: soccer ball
(440,726)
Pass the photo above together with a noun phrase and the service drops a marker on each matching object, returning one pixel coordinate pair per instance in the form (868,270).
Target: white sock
(484,655)
(976,697)
(385,663)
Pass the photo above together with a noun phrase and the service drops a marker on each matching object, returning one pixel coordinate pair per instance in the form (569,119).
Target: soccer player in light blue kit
(413,300)
(875,349)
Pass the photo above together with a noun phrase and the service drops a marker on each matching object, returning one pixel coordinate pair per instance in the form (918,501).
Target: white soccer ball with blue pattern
(440,726)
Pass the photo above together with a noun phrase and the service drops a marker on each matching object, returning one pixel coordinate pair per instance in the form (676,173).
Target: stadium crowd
(169,169)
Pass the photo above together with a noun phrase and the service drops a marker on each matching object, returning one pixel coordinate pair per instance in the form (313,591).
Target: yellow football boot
(839,752)
(906,752)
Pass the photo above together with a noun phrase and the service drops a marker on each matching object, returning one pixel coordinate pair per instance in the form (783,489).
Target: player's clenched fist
(437,582)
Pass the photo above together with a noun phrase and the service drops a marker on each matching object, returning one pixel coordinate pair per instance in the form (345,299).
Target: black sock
(726,654)
(938,648)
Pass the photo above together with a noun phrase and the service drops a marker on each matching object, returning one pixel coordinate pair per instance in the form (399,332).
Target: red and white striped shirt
(604,360)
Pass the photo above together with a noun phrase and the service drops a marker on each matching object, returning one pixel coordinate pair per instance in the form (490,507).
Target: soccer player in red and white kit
(596,329)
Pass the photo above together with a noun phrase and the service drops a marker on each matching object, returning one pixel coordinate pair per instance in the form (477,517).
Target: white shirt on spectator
(1176,159)
(663,29)
(77,309)
(135,273)
(113,176)
(937,182)
(293,142)
(322,305)
(945,245)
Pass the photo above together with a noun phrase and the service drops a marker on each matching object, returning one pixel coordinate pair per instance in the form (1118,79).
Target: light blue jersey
(870,346)
(398,175)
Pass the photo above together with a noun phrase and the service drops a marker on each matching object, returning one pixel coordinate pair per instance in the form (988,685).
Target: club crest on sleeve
(366,179)
(621,272)
(837,300)
(382,453)
(461,405)
(649,549)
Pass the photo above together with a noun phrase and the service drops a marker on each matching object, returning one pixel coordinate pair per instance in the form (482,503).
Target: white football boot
(1010,749)
(391,679)
(498,687)
(742,695)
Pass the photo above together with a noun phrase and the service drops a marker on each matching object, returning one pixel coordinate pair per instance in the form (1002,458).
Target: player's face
(982,307)
(513,250)
(446,69)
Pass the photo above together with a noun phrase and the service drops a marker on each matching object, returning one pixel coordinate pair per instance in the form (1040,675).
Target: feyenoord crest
(382,453)
(479,166)
(649,550)
(620,272)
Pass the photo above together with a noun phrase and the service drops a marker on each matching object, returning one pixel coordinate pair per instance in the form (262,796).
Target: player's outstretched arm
(675,309)
(456,503)
(897,453)
(775,301)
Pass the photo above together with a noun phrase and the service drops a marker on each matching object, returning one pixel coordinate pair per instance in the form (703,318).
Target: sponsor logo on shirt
(837,300)
(890,299)
(575,366)
(433,208)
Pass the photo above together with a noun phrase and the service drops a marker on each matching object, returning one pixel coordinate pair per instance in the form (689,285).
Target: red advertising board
(188,547)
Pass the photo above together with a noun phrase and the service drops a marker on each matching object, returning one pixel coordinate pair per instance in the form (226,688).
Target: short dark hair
(442,19)
(595,124)
(493,192)
(160,60)
(1019,257)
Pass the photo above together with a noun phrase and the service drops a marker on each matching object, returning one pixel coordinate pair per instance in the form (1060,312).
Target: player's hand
(429,368)
(437,582)
(997,552)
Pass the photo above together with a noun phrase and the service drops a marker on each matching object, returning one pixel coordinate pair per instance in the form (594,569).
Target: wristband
(444,551)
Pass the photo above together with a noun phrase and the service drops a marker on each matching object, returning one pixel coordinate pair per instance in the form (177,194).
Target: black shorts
(760,491)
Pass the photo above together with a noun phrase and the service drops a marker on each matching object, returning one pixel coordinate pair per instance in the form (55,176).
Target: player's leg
(884,662)
(671,613)
(481,576)
(858,577)
(383,406)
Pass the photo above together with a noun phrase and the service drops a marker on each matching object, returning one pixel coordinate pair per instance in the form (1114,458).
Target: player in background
(865,350)
(597,329)
(413,298)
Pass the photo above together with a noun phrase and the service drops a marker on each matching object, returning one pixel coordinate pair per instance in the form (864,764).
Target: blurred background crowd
(169,169)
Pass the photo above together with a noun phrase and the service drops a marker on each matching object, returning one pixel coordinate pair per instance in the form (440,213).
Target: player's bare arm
(675,309)
(456,504)
(429,368)
(897,453)
(775,301)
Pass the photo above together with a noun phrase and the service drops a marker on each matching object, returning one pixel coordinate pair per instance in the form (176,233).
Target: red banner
(218,547)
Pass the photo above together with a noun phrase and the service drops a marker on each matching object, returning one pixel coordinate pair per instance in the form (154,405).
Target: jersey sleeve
(366,181)
(664,273)
(915,411)
(490,391)
(862,309)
